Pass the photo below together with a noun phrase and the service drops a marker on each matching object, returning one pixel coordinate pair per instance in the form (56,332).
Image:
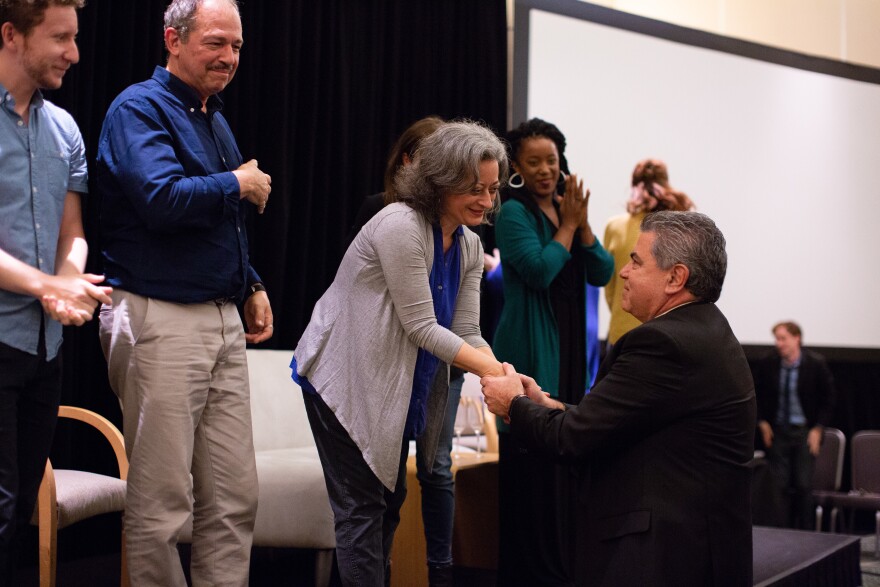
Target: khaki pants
(180,371)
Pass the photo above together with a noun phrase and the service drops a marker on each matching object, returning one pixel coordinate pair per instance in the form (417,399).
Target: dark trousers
(536,529)
(30,390)
(791,465)
(365,512)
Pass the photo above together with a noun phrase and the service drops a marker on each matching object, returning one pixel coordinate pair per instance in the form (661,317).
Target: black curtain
(322,92)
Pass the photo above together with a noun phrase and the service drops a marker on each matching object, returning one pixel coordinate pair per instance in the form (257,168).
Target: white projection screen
(785,160)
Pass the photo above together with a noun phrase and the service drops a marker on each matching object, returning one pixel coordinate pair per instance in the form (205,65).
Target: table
(475,530)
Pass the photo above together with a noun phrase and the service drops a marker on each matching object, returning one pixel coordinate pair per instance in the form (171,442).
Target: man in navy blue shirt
(175,193)
(42,248)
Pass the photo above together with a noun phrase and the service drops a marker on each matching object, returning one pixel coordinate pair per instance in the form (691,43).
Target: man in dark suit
(661,444)
(795,393)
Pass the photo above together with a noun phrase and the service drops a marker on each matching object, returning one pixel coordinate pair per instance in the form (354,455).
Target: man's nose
(72,53)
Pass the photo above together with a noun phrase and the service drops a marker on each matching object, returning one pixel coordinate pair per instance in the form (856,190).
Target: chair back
(866,461)
(277,408)
(828,468)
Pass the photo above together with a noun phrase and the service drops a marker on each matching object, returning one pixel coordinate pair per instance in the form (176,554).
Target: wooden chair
(68,496)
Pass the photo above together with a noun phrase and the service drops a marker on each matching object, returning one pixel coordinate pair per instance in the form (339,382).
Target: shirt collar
(9,101)
(794,364)
(438,232)
(677,307)
(184,93)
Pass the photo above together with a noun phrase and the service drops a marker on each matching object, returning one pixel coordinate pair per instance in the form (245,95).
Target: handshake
(500,391)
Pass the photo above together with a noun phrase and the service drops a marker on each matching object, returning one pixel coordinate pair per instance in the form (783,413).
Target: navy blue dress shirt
(172,223)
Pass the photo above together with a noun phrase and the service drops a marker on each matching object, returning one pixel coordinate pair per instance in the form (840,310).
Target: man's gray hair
(181,15)
(693,240)
(446,162)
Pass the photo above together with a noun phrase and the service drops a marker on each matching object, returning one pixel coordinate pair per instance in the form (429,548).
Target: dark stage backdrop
(322,92)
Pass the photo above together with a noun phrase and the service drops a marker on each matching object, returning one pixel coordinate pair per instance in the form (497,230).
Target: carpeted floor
(294,568)
(869,563)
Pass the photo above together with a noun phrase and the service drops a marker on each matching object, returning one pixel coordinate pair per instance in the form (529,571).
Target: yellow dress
(621,235)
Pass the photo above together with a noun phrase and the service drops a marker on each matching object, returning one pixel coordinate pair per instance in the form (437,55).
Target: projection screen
(785,159)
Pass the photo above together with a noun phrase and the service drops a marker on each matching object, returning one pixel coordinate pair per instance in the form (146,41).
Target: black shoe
(440,576)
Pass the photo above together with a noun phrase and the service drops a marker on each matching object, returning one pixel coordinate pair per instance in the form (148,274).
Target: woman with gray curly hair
(374,360)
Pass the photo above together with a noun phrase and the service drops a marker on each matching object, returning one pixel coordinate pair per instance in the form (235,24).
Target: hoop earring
(562,176)
(515,186)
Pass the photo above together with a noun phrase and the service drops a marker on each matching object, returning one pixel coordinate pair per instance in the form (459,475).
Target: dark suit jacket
(815,388)
(661,446)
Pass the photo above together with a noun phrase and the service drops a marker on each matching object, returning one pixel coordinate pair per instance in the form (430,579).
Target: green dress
(527,335)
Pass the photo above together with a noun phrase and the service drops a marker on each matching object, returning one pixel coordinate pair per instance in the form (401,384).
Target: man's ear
(8,33)
(172,41)
(677,279)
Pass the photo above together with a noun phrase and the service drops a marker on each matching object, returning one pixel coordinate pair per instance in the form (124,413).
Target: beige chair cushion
(81,495)
(293,510)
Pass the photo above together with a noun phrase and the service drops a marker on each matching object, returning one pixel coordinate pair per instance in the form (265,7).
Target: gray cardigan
(359,349)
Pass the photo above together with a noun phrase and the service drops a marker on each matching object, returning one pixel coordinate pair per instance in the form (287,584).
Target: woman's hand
(573,205)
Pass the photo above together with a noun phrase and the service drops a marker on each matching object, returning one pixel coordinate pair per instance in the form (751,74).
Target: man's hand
(534,392)
(766,433)
(72,299)
(258,318)
(254,185)
(500,391)
(814,440)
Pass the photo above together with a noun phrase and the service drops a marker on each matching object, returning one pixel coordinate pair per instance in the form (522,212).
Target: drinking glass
(476,407)
(458,428)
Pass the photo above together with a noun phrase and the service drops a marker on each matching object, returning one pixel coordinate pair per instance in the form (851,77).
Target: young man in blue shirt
(175,193)
(42,248)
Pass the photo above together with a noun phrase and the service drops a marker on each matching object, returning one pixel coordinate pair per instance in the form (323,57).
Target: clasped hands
(573,203)
(500,391)
(72,299)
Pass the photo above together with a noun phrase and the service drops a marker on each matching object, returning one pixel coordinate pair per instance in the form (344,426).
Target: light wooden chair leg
(47,518)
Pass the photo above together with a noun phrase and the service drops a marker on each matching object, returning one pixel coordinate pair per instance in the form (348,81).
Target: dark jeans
(30,390)
(791,465)
(438,487)
(366,514)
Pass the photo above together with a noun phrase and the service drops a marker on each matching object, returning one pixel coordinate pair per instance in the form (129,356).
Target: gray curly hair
(448,161)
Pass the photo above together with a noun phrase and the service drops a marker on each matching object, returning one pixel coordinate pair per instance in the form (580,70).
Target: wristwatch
(257,287)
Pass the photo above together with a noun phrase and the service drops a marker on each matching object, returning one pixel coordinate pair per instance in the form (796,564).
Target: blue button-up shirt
(172,223)
(39,163)
(788,386)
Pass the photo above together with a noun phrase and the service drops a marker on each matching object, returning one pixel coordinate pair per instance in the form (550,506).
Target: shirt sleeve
(140,152)
(598,263)
(521,249)
(466,319)
(639,396)
(400,244)
(78,179)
